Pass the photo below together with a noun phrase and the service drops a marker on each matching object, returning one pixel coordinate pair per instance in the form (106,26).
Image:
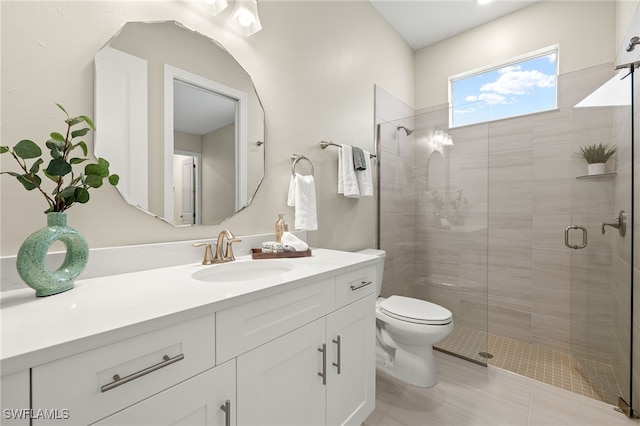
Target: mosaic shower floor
(550,366)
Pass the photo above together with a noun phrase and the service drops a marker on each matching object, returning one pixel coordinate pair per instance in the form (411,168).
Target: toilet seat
(415,311)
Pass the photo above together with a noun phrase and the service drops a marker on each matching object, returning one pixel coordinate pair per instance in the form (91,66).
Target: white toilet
(406,330)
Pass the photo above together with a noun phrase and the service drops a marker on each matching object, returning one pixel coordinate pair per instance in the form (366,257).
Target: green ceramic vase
(33,252)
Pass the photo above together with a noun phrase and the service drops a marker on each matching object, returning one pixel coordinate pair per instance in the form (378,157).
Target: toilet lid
(415,310)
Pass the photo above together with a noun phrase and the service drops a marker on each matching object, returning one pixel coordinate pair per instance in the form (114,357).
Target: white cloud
(493,98)
(471,98)
(516,82)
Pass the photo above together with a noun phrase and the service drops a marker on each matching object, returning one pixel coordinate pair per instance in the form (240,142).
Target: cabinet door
(351,391)
(14,399)
(278,382)
(197,401)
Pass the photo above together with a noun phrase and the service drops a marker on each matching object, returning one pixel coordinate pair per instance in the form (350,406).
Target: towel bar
(325,144)
(295,158)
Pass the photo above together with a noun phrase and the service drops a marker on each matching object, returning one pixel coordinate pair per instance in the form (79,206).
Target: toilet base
(414,365)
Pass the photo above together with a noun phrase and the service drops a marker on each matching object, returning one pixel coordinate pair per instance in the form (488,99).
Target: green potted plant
(71,185)
(596,156)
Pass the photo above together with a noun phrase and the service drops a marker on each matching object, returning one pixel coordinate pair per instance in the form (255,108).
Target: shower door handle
(584,237)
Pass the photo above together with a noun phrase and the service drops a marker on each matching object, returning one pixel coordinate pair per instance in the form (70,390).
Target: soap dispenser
(281,227)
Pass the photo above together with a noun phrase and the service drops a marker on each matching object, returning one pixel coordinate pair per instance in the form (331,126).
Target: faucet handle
(228,255)
(208,253)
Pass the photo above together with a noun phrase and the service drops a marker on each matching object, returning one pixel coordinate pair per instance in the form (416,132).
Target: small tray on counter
(256,253)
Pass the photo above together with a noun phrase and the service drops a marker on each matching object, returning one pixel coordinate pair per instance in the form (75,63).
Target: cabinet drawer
(197,401)
(355,285)
(252,324)
(85,386)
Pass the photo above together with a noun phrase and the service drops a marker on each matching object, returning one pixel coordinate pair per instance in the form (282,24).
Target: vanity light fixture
(215,6)
(244,17)
(483,1)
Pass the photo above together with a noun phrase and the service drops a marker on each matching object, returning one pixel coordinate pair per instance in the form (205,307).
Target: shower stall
(500,223)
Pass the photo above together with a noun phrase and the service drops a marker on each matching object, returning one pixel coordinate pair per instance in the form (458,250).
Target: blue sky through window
(519,88)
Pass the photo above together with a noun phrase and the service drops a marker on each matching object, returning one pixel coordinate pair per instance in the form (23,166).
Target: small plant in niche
(596,153)
(70,186)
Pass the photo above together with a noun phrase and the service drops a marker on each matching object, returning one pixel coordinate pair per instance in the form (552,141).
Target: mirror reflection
(180,121)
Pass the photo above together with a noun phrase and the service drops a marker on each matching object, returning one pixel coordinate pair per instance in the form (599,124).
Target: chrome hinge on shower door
(584,237)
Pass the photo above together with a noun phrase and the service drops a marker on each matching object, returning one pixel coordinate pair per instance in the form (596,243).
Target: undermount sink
(242,271)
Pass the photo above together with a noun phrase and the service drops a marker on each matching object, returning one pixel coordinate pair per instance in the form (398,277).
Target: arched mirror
(180,121)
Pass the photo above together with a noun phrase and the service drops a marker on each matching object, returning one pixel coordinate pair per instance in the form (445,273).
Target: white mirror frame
(172,73)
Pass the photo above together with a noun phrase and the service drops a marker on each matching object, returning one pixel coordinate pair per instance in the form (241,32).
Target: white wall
(585,31)
(314,65)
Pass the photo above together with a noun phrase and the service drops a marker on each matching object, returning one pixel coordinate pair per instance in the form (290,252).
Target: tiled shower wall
(503,264)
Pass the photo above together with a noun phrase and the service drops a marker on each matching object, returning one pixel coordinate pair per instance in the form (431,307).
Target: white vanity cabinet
(95,384)
(300,352)
(320,373)
(351,366)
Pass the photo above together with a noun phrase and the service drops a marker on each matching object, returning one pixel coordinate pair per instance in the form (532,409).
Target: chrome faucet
(221,254)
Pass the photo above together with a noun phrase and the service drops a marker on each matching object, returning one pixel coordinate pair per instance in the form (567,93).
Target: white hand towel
(365,179)
(302,195)
(293,243)
(347,179)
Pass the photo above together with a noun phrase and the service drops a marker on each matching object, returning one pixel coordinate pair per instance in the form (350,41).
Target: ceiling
(425,22)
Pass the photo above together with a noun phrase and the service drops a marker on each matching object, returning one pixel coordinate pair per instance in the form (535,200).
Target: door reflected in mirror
(181,121)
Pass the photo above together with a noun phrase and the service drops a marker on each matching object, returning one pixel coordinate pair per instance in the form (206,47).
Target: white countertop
(99,311)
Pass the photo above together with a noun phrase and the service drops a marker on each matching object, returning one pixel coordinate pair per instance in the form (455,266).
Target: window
(522,86)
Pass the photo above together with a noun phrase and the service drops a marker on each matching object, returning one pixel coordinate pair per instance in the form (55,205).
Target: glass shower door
(601,265)
(434,221)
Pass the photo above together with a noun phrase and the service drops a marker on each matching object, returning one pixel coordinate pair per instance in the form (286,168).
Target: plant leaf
(57,136)
(62,108)
(94,181)
(58,167)
(56,148)
(73,121)
(27,149)
(114,179)
(104,163)
(35,167)
(67,192)
(80,132)
(77,160)
(4,149)
(82,195)
(96,169)
(88,121)
(25,180)
(53,178)
(82,145)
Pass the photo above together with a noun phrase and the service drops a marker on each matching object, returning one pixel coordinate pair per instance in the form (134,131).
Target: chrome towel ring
(295,158)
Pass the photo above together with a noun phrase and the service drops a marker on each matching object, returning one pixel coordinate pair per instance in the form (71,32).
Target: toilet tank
(379,267)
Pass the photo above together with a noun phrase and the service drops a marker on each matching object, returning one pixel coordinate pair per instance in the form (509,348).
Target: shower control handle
(620,223)
(584,237)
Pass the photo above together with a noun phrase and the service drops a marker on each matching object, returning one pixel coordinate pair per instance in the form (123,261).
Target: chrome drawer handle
(324,363)
(227,412)
(337,341)
(119,381)
(362,284)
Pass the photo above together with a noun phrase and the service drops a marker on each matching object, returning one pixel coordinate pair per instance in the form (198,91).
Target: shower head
(407,131)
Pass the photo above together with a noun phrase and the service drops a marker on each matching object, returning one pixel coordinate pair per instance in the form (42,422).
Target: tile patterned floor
(470,394)
(589,378)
